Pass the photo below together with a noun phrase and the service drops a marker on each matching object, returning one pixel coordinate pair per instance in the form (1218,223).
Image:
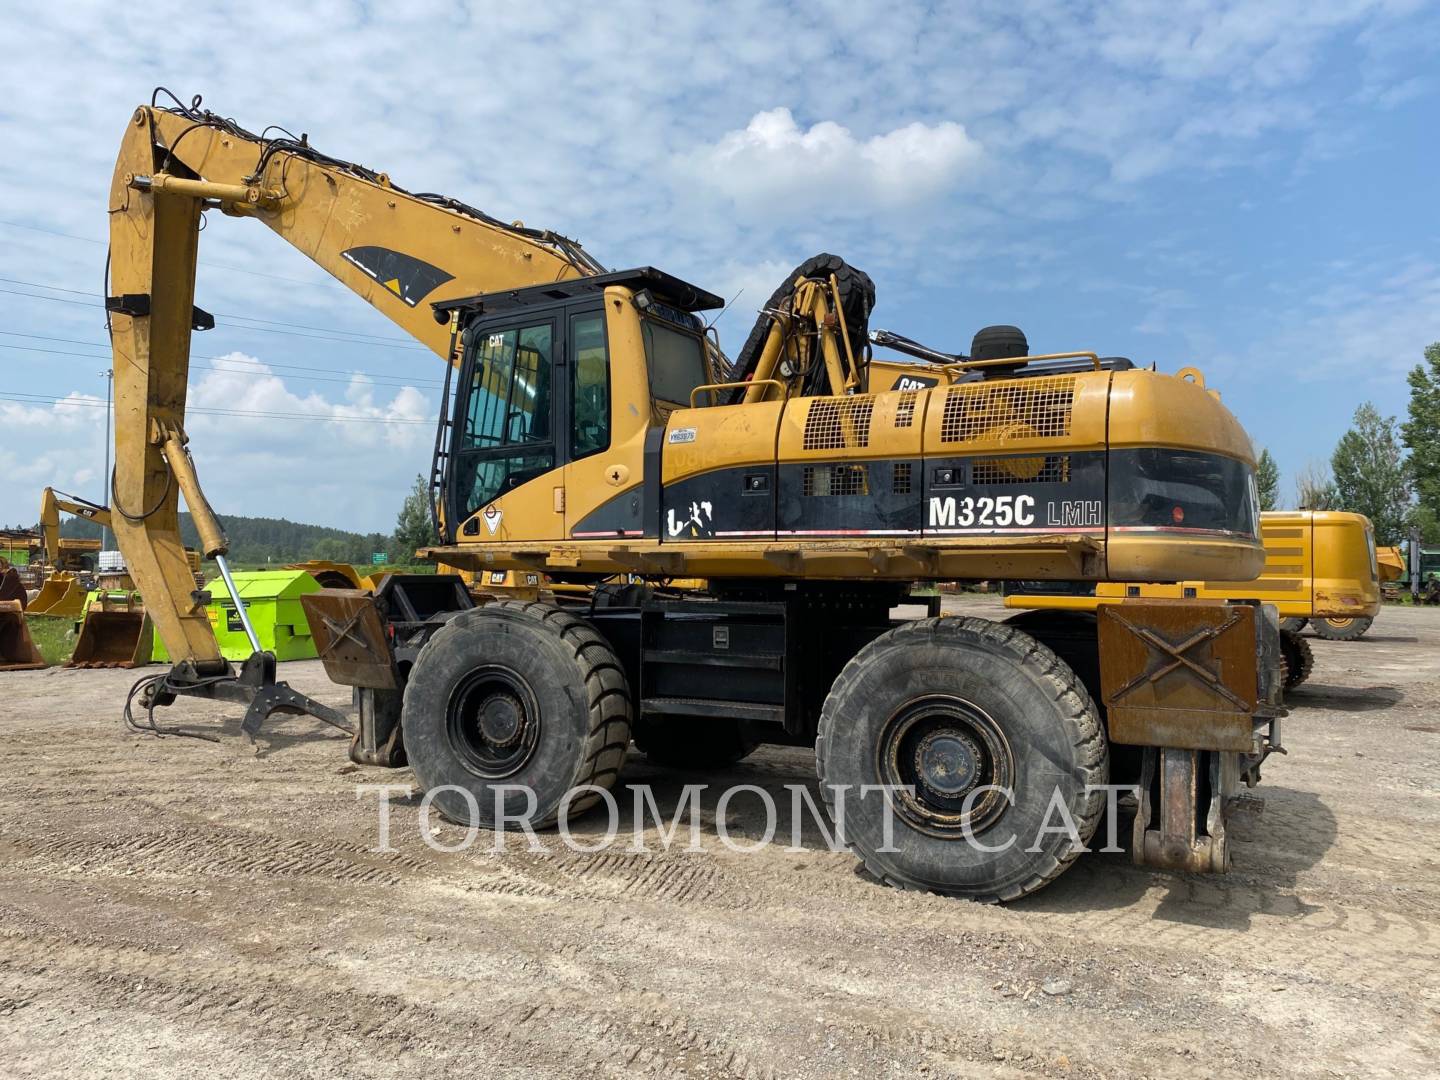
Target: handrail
(731,385)
(1004,361)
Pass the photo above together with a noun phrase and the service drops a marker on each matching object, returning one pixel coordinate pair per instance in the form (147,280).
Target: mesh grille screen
(900,478)
(905,409)
(823,480)
(1005,412)
(1054,469)
(838,423)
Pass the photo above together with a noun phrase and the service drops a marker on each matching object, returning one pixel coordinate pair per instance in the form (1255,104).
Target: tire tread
(1078,713)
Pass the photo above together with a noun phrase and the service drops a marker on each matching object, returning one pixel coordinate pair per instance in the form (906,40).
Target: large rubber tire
(1340,629)
(696,743)
(857,297)
(1296,658)
(1293,622)
(1003,683)
(532,667)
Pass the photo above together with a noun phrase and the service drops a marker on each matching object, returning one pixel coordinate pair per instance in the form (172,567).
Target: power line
(310,418)
(231,315)
(380,378)
(232,326)
(250,372)
(206,262)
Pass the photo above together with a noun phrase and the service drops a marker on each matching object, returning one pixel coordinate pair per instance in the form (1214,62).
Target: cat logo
(408,278)
(914,382)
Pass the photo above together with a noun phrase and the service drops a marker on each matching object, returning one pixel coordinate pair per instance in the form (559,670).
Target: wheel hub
(493,722)
(502,719)
(950,761)
(947,763)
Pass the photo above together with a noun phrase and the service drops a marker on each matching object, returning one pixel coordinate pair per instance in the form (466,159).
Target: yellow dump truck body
(1318,564)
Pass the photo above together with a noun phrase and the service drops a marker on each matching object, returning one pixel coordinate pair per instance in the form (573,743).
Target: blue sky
(1249,188)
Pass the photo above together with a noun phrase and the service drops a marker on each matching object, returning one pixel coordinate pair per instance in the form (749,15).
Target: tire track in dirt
(215,852)
(240,994)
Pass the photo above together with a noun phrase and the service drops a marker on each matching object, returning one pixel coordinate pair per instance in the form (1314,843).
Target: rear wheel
(1293,623)
(518,694)
(1297,658)
(954,710)
(1340,629)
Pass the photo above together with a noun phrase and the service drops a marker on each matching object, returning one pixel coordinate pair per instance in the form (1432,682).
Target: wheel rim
(493,722)
(1339,624)
(944,749)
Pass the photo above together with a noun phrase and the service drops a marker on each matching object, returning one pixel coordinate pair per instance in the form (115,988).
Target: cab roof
(666,287)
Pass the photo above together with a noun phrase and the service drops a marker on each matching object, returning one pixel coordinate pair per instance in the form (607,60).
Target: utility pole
(109,376)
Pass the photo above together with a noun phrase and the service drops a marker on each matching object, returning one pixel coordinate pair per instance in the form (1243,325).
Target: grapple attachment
(61,595)
(17,650)
(115,634)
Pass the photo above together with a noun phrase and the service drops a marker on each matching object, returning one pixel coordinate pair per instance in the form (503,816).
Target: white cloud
(826,171)
(251,401)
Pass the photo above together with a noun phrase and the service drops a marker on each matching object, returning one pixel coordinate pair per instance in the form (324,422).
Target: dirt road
(175,906)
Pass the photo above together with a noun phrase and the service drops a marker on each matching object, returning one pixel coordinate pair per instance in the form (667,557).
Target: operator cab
(548,380)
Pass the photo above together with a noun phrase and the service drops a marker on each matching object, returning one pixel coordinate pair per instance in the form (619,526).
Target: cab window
(676,361)
(590,386)
(509,400)
(505,435)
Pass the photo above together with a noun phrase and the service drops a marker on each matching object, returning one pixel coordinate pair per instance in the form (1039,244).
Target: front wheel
(1340,629)
(523,695)
(1293,623)
(991,748)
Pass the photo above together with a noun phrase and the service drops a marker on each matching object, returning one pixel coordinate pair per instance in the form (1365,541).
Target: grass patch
(52,636)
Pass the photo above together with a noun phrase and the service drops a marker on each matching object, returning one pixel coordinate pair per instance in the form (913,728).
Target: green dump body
(272,599)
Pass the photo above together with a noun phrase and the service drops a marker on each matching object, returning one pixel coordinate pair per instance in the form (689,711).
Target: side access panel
(850,466)
(718,473)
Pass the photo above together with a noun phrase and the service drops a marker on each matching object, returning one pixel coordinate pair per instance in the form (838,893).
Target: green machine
(272,600)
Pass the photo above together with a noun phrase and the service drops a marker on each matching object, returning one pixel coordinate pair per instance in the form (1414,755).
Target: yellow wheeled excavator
(590,427)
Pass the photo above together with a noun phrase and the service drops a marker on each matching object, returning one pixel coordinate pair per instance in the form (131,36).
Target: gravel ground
(176,906)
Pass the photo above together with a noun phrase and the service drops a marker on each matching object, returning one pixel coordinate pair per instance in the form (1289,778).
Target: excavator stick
(17,649)
(61,595)
(116,633)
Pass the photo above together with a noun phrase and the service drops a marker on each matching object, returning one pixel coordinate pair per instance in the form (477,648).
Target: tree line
(1384,468)
(261,541)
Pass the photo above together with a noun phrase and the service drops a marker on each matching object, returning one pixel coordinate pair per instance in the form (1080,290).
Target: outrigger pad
(255,687)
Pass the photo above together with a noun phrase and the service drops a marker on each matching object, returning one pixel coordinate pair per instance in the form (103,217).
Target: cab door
(609,416)
(504,482)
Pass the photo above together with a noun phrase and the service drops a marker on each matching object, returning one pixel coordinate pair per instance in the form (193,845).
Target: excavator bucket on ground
(11,587)
(17,650)
(116,634)
(61,595)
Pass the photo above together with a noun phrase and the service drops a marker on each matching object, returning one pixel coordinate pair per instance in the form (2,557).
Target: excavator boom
(399,251)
